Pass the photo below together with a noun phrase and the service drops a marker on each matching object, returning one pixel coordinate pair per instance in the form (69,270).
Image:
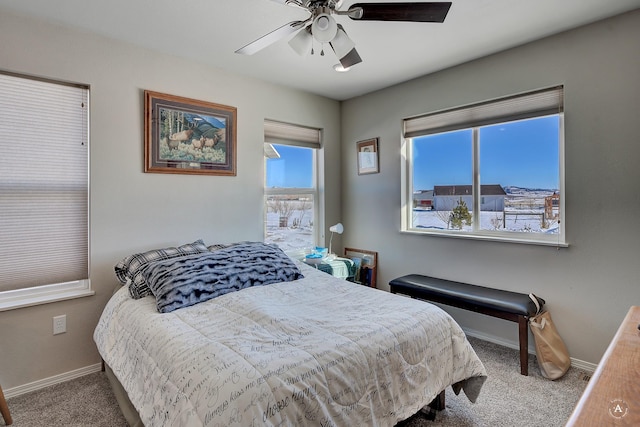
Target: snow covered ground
(291,237)
(524,221)
(524,213)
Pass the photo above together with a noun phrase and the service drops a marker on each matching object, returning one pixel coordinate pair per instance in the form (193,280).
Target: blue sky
(294,168)
(522,153)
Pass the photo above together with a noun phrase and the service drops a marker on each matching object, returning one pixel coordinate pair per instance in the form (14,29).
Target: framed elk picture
(188,136)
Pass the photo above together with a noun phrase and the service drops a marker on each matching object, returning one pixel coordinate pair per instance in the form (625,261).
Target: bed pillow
(128,270)
(218,246)
(189,280)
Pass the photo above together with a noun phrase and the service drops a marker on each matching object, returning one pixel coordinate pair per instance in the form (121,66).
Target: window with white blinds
(492,170)
(44,237)
(291,218)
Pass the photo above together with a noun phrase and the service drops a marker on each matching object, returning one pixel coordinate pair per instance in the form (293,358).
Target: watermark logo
(618,408)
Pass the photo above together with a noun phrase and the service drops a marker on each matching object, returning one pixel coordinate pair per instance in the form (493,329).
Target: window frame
(557,240)
(48,293)
(280,133)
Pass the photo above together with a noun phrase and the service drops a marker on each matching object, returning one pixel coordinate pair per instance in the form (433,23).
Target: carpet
(507,399)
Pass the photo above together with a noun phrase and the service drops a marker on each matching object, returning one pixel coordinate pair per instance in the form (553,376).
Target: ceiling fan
(322,27)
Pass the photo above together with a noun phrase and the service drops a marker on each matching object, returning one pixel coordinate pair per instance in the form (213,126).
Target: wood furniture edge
(589,409)
(4,409)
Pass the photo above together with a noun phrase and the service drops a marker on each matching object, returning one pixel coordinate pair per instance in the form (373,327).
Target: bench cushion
(450,292)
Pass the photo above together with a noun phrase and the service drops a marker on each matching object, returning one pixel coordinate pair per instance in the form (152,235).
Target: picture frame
(188,136)
(366,262)
(367,155)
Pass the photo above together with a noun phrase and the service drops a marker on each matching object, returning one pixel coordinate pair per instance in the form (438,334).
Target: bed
(306,348)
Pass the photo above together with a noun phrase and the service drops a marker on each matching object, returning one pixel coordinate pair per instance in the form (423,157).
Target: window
(291,196)
(44,253)
(490,171)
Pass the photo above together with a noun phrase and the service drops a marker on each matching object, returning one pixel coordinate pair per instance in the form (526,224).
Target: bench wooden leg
(4,409)
(523,332)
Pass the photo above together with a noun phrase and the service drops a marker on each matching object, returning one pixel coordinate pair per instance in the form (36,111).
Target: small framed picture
(365,263)
(367,152)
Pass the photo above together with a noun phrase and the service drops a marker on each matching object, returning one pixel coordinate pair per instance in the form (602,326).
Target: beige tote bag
(552,353)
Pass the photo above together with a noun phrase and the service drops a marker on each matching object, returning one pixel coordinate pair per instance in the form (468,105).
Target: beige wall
(131,210)
(590,285)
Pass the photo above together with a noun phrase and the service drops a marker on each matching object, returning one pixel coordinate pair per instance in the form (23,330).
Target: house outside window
(44,191)
(489,171)
(291,218)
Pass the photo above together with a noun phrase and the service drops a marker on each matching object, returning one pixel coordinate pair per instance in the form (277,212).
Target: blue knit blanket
(188,280)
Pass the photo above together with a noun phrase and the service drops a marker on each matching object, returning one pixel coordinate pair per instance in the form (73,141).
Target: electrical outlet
(60,324)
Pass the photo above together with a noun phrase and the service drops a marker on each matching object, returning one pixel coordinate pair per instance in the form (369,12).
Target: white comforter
(318,351)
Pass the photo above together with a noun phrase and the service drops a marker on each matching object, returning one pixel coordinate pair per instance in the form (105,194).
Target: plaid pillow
(218,246)
(128,270)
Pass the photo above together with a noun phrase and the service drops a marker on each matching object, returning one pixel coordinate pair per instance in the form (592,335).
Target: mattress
(313,351)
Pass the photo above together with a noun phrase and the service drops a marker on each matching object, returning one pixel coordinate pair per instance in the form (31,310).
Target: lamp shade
(341,43)
(345,49)
(338,228)
(324,28)
(302,41)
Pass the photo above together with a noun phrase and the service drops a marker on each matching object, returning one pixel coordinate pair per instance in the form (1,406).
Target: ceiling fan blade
(350,59)
(272,37)
(295,3)
(411,12)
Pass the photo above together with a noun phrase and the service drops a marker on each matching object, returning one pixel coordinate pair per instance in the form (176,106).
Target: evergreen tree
(460,215)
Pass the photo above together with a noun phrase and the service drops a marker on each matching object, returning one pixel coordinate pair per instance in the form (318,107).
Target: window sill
(557,242)
(29,297)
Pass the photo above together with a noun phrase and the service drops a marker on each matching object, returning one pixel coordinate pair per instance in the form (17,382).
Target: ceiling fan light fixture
(341,43)
(302,42)
(340,69)
(324,28)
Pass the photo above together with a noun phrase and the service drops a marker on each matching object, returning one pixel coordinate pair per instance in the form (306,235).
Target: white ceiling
(211,30)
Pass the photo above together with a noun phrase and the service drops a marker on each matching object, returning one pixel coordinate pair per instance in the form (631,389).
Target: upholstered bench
(507,305)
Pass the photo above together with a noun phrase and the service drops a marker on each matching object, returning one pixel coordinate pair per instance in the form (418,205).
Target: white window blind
(43,183)
(517,107)
(285,133)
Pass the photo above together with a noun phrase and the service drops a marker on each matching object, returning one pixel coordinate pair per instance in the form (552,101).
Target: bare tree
(444,216)
(302,206)
(497,222)
(283,207)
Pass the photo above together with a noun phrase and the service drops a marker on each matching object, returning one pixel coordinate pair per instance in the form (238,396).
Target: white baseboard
(585,366)
(576,363)
(56,379)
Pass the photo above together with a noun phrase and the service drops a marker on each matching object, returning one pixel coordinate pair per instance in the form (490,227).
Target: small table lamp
(338,228)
